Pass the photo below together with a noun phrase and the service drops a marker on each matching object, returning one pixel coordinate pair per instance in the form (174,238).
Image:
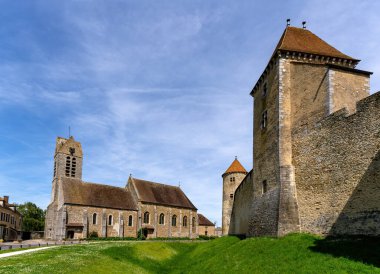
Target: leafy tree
(33,217)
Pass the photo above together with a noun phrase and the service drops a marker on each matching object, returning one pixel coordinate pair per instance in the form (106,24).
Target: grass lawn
(292,254)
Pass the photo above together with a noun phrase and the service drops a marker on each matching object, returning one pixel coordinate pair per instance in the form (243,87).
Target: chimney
(6,199)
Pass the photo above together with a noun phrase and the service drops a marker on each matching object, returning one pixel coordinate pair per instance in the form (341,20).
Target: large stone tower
(68,160)
(231,180)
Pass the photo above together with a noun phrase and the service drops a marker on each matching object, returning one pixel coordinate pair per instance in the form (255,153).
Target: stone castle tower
(316,145)
(231,180)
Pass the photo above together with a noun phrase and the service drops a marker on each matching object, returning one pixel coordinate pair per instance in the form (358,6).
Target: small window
(265,186)
(161,221)
(130,220)
(110,220)
(265,90)
(174,220)
(184,222)
(232,179)
(231,196)
(146,217)
(94,218)
(264,120)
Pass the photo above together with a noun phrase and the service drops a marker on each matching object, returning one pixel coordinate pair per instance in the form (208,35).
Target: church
(316,146)
(81,209)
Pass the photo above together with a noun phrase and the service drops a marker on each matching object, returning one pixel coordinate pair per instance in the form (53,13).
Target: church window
(130,220)
(184,223)
(94,218)
(174,220)
(110,220)
(231,196)
(265,186)
(264,119)
(73,167)
(265,90)
(193,224)
(161,221)
(146,217)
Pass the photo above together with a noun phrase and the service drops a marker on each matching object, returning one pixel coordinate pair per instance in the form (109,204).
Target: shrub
(93,234)
(140,234)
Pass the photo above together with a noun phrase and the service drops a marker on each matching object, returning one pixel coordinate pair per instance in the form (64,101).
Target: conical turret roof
(235,167)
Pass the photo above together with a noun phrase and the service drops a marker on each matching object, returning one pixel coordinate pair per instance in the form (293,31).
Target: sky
(156,89)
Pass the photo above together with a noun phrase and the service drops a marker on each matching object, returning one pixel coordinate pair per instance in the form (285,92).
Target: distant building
(10,221)
(316,145)
(79,209)
(218,231)
(206,227)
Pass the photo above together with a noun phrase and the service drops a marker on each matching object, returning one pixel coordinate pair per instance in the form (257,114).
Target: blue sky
(159,89)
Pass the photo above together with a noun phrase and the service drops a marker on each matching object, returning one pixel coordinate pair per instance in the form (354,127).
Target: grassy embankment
(292,254)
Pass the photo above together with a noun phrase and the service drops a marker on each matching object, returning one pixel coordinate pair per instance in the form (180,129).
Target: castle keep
(79,209)
(316,145)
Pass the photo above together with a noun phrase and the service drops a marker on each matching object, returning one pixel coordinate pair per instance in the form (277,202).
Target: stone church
(79,209)
(316,146)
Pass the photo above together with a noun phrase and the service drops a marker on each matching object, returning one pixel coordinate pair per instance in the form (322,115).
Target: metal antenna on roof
(288,22)
(304,24)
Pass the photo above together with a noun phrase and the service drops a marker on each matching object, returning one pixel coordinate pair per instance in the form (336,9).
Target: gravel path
(24,251)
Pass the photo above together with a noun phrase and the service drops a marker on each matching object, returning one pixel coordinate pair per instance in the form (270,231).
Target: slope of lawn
(299,253)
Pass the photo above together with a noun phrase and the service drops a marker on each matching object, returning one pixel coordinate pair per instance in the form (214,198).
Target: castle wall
(348,87)
(241,210)
(337,170)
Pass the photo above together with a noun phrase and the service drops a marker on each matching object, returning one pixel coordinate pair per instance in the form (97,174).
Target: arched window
(73,167)
(161,221)
(174,220)
(130,220)
(110,220)
(146,217)
(265,186)
(94,218)
(193,224)
(184,222)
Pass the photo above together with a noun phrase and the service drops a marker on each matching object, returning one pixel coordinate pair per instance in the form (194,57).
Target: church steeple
(68,158)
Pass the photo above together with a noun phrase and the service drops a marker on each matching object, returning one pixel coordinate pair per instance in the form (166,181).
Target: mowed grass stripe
(299,253)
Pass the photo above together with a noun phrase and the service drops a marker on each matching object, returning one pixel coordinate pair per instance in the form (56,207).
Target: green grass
(299,253)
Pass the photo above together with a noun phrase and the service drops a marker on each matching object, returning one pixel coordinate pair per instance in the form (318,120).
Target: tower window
(265,186)
(231,196)
(68,163)
(265,90)
(232,179)
(264,119)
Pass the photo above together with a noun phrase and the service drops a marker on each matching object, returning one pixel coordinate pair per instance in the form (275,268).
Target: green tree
(33,217)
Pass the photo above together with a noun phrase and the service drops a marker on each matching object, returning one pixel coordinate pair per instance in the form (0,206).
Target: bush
(140,234)
(204,237)
(93,234)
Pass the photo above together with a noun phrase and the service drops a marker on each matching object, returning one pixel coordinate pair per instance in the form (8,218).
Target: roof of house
(304,41)
(202,220)
(236,166)
(78,192)
(155,193)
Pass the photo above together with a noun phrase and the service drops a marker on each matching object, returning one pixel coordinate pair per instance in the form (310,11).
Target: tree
(33,217)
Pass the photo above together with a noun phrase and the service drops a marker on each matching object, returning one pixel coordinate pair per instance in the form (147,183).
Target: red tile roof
(302,40)
(163,194)
(236,166)
(202,220)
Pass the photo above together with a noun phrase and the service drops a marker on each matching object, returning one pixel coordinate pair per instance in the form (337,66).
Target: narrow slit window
(264,119)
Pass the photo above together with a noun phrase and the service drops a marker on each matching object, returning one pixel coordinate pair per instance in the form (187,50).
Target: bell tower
(68,160)
(232,178)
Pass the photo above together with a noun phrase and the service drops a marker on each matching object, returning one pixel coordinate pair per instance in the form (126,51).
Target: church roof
(236,166)
(202,220)
(302,40)
(155,193)
(77,192)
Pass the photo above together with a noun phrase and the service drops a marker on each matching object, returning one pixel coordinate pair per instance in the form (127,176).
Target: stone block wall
(337,170)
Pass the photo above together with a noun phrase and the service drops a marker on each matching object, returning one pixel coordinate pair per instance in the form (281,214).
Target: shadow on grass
(361,249)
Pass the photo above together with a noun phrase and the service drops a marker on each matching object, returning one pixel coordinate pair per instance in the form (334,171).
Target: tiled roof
(89,194)
(156,193)
(202,220)
(236,166)
(302,40)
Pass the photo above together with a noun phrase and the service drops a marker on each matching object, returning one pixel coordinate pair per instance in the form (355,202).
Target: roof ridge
(92,183)
(151,182)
